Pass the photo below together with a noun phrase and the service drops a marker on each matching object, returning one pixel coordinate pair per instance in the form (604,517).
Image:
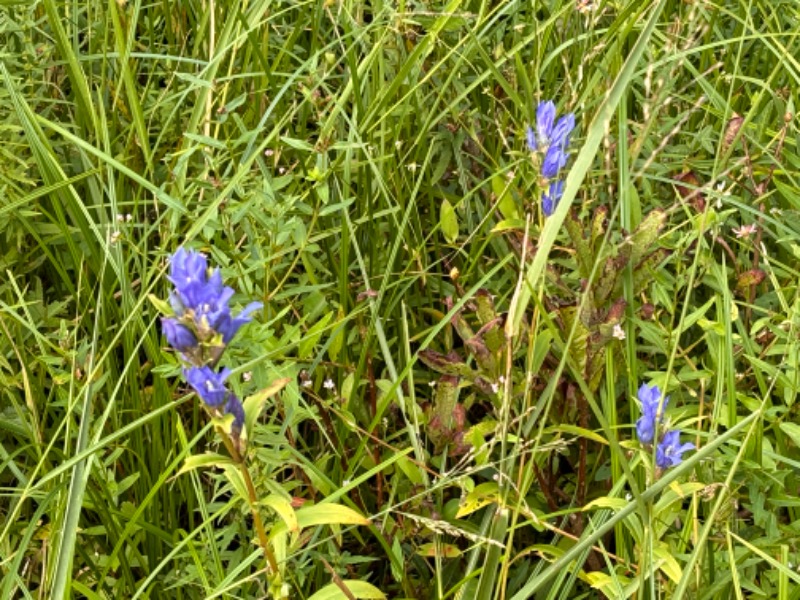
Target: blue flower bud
(552,196)
(234,407)
(178,336)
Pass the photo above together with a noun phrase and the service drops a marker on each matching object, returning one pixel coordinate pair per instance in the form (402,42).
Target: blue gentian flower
(552,196)
(670,450)
(178,336)
(545,117)
(228,326)
(205,295)
(210,386)
(187,268)
(650,397)
(234,407)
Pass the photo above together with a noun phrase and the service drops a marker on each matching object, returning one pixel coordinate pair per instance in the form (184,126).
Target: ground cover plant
(399,300)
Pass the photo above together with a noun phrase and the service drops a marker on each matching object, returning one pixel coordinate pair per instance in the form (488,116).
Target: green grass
(361,169)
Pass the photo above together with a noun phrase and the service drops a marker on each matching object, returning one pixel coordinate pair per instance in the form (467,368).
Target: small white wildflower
(247,376)
(628,496)
(398,144)
(745,231)
(495,388)
(269,152)
(328,384)
(281,170)
(432,383)
(619,332)
(120,218)
(128,218)
(776,211)
(510,175)
(412,167)
(307,383)
(115,235)
(345,482)
(502,379)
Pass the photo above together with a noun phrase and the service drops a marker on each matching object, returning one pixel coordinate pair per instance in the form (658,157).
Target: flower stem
(272,564)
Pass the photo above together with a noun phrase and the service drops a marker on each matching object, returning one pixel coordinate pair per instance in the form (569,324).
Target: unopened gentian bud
(234,407)
(178,336)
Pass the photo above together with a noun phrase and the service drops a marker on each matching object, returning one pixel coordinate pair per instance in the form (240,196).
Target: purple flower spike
(209,386)
(650,397)
(551,197)
(670,450)
(178,336)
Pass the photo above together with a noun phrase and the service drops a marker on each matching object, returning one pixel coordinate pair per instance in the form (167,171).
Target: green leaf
(357,589)
(323,514)
(284,508)
(448,222)
(254,404)
(793,431)
(209,459)
(501,188)
(161,306)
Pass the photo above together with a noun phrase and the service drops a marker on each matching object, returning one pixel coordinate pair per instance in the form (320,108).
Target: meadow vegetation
(454,378)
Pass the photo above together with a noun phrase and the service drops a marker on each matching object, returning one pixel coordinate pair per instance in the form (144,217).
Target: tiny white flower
(501,379)
(269,152)
(328,384)
(432,383)
(281,170)
(128,218)
(120,218)
(628,496)
(619,332)
(247,376)
(345,482)
(115,235)
(745,231)
(495,388)
(398,144)
(412,167)
(307,383)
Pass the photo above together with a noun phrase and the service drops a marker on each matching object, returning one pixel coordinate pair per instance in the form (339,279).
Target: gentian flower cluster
(551,138)
(669,450)
(201,328)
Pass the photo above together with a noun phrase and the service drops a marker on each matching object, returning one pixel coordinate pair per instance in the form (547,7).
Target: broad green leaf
(357,589)
(669,566)
(442,550)
(448,221)
(253,405)
(606,502)
(323,514)
(501,188)
(209,459)
(483,495)
(284,508)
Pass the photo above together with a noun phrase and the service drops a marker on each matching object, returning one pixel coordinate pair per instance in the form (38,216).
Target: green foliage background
(360,167)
